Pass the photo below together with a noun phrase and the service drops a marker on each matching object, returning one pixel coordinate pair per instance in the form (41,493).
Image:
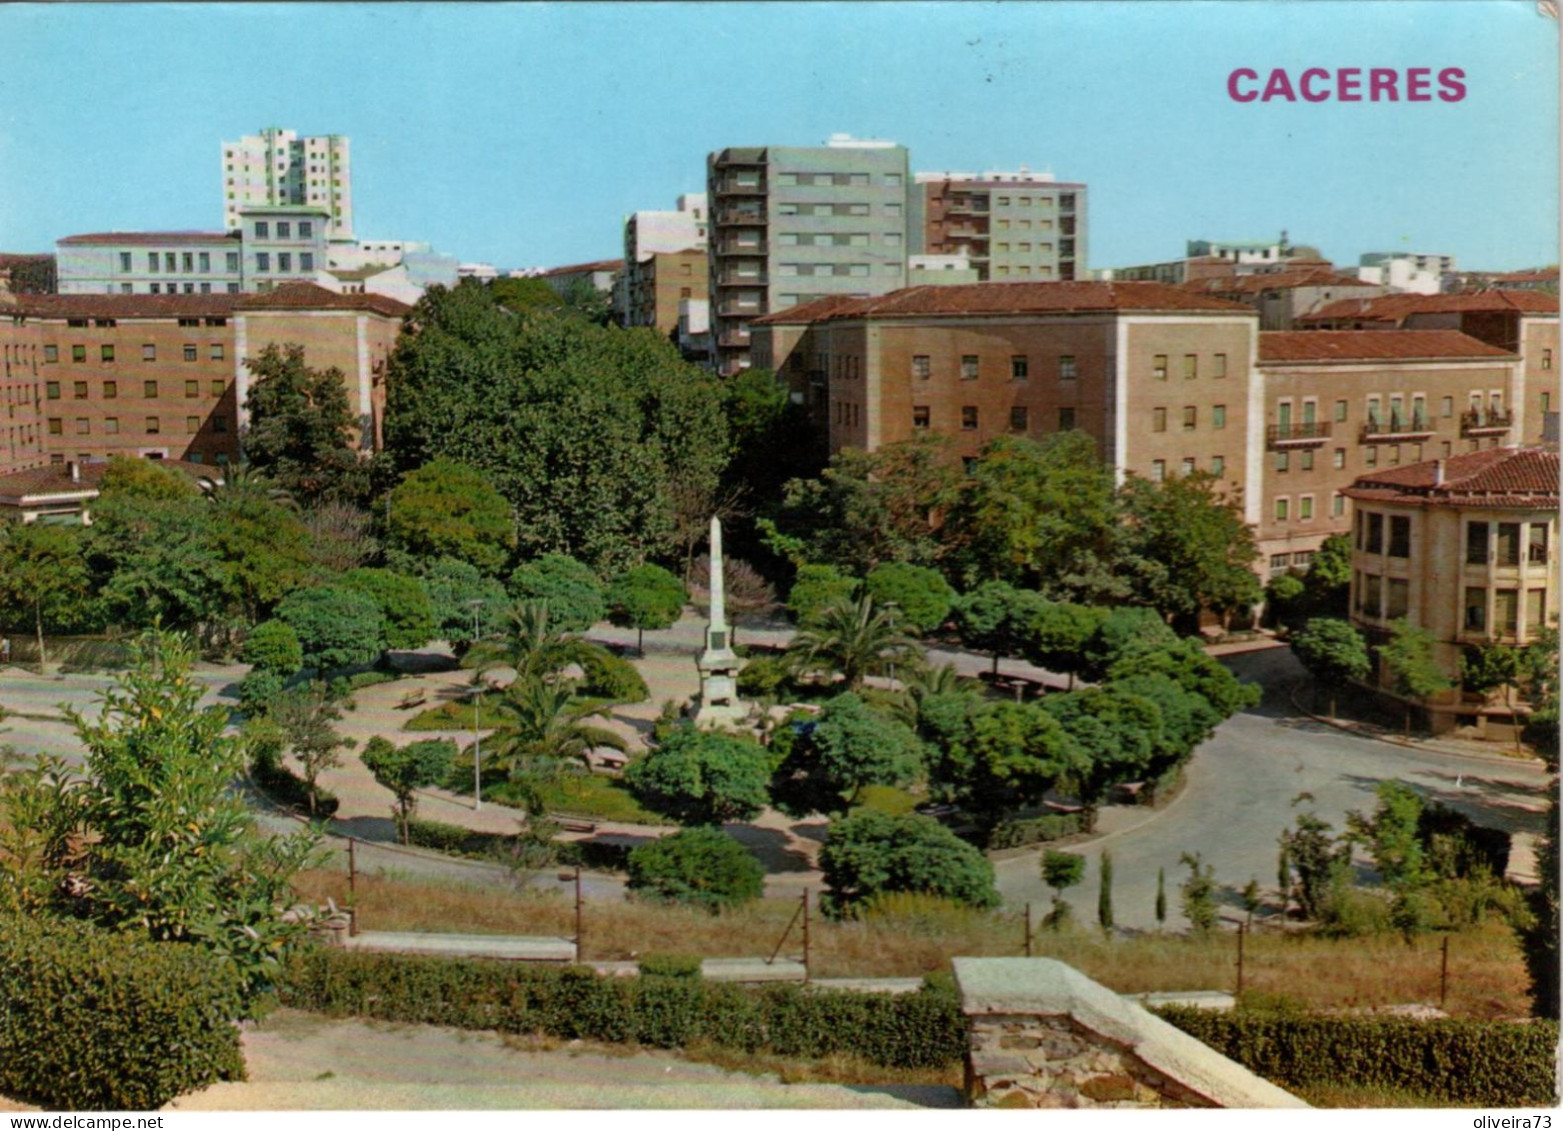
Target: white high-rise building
(278,167)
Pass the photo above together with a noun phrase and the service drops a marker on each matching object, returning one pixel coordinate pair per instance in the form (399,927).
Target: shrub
(702,866)
(455,839)
(1035,830)
(869,853)
(817,587)
(670,966)
(572,591)
(288,789)
(613,677)
(258,690)
(1480,1063)
(108,1021)
(702,777)
(764,677)
(403,602)
(274,647)
(923,1029)
(921,594)
(337,627)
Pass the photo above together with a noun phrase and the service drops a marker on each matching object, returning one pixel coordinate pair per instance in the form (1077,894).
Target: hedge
(906,1031)
(1480,1063)
(93,1020)
(1037,830)
(600,855)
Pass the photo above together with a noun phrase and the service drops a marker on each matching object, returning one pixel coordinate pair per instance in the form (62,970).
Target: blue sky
(522,135)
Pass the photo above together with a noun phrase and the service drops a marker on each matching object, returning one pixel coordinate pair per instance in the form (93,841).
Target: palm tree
(856,638)
(540,735)
(531,647)
(917,684)
(240,483)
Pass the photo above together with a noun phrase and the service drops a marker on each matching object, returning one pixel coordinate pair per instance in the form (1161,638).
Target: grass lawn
(454,715)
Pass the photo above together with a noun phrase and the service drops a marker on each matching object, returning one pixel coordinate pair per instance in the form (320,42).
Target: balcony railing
(751,216)
(733,339)
(755,249)
(759,280)
(1479,422)
(747,188)
(740,309)
(1303,435)
(1396,428)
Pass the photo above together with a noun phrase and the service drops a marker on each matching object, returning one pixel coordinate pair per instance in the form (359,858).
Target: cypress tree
(1161,897)
(1104,894)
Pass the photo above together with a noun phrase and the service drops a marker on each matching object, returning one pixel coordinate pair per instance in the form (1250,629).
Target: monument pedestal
(718,664)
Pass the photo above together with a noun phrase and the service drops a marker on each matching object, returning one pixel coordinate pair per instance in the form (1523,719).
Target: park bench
(578,826)
(613,760)
(414,698)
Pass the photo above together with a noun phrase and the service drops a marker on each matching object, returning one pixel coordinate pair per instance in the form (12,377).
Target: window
(1340,411)
(1476,548)
(284,261)
(111,425)
(1506,611)
(1218,416)
(1159,367)
(1158,420)
(1190,366)
(920,416)
(1190,417)
(1535,609)
(1339,459)
(968,417)
(1399,536)
(1446,407)
(1372,594)
(1279,563)
(187,262)
(192,388)
(1508,543)
(126,289)
(306,229)
(1546,402)
(51,354)
(1283,461)
(284,230)
(168,262)
(1066,419)
(262,261)
(124,261)
(1067,370)
(1218,465)
(153,426)
(1337,505)
(1306,456)
(148,352)
(306,262)
(217,388)
(1219,365)
(1537,553)
(149,389)
(1370,456)
(80,389)
(1019,370)
(968,367)
(189,351)
(1546,359)
(1017,418)
(56,426)
(921,367)
(83,426)
(217,351)
(233,260)
(154,288)
(1397,598)
(192,424)
(1375,534)
(1158,470)
(106,352)
(262,230)
(1188,466)
(206,262)
(1475,609)
(78,353)
(233,288)
(152,262)
(219,424)
(1282,508)
(110,390)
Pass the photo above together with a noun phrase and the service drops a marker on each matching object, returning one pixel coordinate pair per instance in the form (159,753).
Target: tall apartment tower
(278,168)
(790,225)
(665,262)
(1013,227)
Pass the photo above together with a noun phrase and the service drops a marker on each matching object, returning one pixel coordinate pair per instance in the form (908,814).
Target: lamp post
(477,699)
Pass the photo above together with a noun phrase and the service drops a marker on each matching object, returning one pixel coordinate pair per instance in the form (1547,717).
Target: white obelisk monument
(718,663)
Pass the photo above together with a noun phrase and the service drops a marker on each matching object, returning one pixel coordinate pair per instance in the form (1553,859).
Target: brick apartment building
(1020,226)
(164,376)
(1165,380)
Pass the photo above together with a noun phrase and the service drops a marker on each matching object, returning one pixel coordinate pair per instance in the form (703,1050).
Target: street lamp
(477,699)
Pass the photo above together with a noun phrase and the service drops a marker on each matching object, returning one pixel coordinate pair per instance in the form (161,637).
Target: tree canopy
(302,431)
(573,593)
(447,509)
(703,777)
(872,853)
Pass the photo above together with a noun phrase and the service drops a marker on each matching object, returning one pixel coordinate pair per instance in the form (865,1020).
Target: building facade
(278,168)
(1021,226)
(151,263)
(1464,547)
(1283,296)
(792,225)
(164,376)
(658,283)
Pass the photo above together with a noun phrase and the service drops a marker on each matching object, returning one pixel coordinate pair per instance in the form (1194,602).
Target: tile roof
(1396,308)
(812,311)
(123,306)
(1501,477)
(1281,346)
(54,480)
(1310,276)
(583,268)
(1533,275)
(143,239)
(934,301)
(309,296)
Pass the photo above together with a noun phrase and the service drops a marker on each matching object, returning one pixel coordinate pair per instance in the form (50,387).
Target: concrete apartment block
(278,167)
(1020,226)
(109,263)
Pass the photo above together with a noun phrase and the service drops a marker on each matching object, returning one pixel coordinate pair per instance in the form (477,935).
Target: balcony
(972,207)
(1308,434)
(741,188)
(752,216)
(740,309)
(754,249)
(1395,430)
(1484,422)
(733,280)
(733,339)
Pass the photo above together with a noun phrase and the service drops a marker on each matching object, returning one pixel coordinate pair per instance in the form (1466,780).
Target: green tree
(994,618)
(1120,633)
(1192,668)
(453,586)
(1315,862)
(41,570)
(305,716)
(1539,932)
(1391,836)
(1541,688)
(1104,894)
(867,508)
(446,509)
(1056,633)
(336,626)
(1035,513)
(152,837)
(1408,658)
(341,537)
(871,853)
(541,734)
(1187,545)
(703,867)
(849,746)
(921,594)
(1116,735)
(856,639)
(524,295)
(406,769)
(647,596)
(573,593)
(1334,653)
(153,553)
(403,603)
(816,588)
(1252,899)
(773,440)
(262,547)
(1061,871)
(1161,898)
(1502,667)
(533,647)
(702,777)
(302,432)
(993,758)
(1327,584)
(1198,893)
(273,646)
